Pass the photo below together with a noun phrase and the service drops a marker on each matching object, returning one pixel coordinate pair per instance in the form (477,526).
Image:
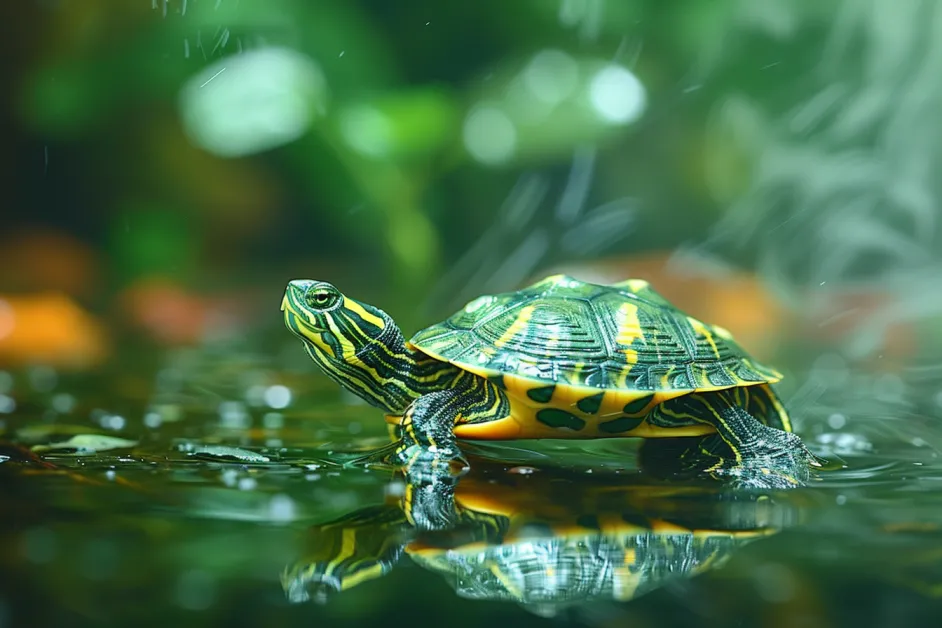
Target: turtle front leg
(431,460)
(427,439)
(755,455)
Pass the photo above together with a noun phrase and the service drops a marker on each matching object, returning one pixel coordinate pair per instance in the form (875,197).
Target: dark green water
(189,525)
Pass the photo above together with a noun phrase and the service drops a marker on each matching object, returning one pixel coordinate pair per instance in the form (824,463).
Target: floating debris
(225,453)
(87,444)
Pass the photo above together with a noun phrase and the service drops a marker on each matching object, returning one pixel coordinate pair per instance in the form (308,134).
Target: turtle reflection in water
(559,359)
(542,540)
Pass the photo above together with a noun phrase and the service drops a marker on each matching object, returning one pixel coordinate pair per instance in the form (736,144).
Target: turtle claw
(383,457)
(427,462)
(416,460)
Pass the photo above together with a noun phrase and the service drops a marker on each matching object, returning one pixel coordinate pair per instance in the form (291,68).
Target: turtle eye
(321,299)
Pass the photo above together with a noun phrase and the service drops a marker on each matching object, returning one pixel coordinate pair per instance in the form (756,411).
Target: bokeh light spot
(278,396)
(617,95)
(551,76)
(252,102)
(367,130)
(490,135)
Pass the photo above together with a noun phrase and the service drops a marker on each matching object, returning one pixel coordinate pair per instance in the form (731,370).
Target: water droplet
(247,484)
(840,500)
(110,475)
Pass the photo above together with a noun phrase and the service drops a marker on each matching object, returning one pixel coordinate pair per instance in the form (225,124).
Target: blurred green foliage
(415,150)
(370,135)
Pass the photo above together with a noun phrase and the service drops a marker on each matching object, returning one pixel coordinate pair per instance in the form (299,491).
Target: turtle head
(356,344)
(333,325)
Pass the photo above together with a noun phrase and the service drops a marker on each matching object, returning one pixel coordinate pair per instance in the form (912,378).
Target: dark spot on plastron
(556,418)
(590,405)
(638,405)
(497,380)
(542,394)
(588,521)
(621,425)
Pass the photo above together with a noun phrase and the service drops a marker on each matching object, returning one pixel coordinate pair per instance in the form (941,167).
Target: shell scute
(574,334)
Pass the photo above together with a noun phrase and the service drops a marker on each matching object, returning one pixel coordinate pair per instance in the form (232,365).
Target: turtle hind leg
(752,454)
(763,403)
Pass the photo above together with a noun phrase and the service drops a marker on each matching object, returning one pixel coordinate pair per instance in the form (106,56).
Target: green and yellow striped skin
(558,359)
(360,347)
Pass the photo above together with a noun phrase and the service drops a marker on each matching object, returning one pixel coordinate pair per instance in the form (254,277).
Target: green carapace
(559,359)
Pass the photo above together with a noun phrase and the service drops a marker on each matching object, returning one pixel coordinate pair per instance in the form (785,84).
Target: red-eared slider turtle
(559,359)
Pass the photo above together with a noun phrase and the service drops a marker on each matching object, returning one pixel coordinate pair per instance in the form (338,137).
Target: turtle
(547,541)
(559,359)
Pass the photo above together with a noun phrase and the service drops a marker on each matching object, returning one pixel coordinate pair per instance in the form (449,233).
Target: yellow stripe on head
(361,311)
(348,349)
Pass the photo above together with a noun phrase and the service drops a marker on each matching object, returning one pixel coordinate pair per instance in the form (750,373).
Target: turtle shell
(562,331)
